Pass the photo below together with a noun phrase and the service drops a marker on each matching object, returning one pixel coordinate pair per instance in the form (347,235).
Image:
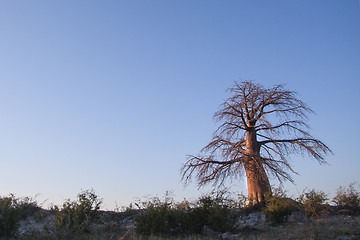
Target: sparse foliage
(278,206)
(314,203)
(347,198)
(77,216)
(214,211)
(9,216)
(213,216)
(259,128)
(161,217)
(12,210)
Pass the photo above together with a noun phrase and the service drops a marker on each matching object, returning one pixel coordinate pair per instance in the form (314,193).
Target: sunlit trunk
(257,182)
(257,179)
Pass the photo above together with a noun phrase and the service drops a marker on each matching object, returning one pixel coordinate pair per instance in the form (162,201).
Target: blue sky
(113,95)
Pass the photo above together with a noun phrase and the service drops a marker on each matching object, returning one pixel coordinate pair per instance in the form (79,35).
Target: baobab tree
(260,127)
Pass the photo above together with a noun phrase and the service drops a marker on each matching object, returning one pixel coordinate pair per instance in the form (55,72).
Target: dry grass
(324,228)
(334,227)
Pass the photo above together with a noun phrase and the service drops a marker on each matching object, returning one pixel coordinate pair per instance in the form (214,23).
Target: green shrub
(77,216)
(166,217)
(12,210)
(314,203)
(159,217)
(278,207)
(9,216)
(212,211)
(347,198)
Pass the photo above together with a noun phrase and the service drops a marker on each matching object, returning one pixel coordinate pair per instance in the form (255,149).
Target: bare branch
(249,138)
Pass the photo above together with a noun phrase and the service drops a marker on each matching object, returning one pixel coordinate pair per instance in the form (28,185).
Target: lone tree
(259,128)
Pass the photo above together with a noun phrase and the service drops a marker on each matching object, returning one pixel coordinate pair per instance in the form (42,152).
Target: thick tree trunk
(257,179)
(257,182)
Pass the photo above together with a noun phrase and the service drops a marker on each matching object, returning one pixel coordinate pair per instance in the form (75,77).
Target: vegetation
(314,203)
(278,206)
(347,198)
(259,128)
(12,210)
(213,215)
(158,217)
(77,216)
(169,218)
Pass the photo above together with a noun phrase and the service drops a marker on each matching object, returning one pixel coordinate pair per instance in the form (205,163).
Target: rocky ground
(117,225)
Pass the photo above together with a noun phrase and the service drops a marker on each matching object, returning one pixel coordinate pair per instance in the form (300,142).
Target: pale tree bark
(257,179)
(247,141)
(257,182)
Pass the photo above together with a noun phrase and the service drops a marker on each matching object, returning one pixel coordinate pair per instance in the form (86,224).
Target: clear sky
(113,95)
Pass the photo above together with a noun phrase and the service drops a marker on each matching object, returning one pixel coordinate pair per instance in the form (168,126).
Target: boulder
(255,220)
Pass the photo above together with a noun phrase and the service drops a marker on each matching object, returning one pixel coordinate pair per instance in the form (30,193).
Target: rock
(43,223)
(345,212)
(252,221)
(229,236)
(128,223)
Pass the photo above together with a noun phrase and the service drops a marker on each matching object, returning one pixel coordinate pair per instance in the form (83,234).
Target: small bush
(278,206)
(166,217)
(347,198)
(211,211)
(314,203)
(77,216)
(12,210)
(159,217)
(9,216)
